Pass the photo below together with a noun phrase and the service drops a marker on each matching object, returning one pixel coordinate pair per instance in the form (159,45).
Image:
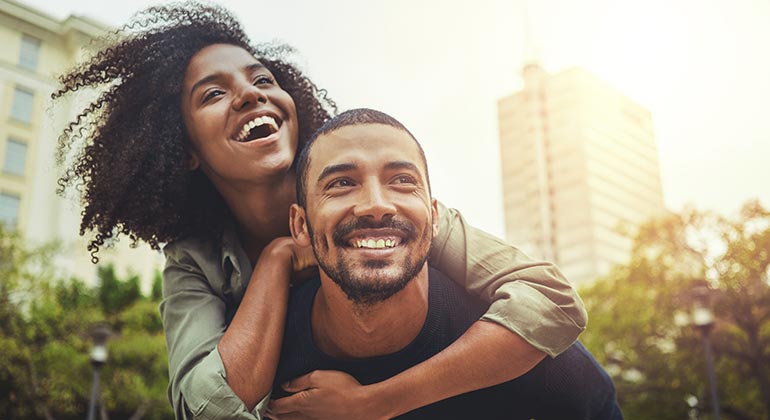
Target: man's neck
(346,330)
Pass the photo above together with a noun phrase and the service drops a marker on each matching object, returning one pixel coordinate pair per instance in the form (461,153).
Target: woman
(192,144)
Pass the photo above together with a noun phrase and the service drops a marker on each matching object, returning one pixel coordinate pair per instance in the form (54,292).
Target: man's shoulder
(299,354)
(452,297)
(303,293)
(300,306)
(451,310)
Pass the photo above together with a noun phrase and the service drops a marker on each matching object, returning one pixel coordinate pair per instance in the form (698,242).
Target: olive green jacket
(203,283)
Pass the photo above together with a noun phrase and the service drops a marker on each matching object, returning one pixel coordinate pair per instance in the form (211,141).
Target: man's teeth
(375,244)
(256,122)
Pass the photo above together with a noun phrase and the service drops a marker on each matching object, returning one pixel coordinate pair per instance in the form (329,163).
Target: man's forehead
(370,142)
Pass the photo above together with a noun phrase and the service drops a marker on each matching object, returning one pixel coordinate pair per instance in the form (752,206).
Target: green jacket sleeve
(193,314)
(531,298)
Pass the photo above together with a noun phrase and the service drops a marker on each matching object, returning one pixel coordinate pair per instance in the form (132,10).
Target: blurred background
(624,140)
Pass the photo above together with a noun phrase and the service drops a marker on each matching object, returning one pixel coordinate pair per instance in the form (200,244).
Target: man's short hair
(357,116)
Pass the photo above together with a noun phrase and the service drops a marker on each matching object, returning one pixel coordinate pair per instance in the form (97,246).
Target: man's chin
(364,292)
(375,264)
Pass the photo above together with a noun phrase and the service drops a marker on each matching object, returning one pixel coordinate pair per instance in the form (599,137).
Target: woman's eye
(263,80)
(213,93)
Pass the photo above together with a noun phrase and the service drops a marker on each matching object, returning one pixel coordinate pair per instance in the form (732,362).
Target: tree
(638,316)
(45,370)
(24,284)
(156,294)
(116,294)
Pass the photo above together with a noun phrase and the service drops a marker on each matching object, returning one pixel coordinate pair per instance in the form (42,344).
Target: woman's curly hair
(127,152)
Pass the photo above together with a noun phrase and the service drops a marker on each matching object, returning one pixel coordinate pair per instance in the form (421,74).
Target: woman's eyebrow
(254,66)
(203,81)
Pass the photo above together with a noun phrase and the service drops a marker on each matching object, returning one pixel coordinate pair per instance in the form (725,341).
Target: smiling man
(377,309)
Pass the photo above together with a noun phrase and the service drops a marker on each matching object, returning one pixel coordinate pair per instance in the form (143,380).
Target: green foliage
(116,294)
(45,370)
(639,328)
(157,287)
(138,374)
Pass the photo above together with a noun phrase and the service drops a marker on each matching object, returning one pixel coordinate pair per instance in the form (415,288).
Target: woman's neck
(261,212)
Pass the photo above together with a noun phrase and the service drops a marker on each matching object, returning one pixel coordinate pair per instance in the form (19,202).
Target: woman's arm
(487,354)
(251,346)
(218,371)
(534,312)
(528,297)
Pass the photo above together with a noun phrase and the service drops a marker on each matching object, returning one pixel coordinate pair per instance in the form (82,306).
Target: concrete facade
(580,166)
(35,49)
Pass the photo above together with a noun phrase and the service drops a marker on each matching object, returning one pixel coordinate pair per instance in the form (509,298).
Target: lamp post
(703,320)
(99,334)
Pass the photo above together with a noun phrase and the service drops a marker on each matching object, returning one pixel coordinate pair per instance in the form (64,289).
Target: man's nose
(248,95)
(374,202)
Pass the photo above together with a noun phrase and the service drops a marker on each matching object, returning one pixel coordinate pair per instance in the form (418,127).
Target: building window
(9,209)
(15,157)
(21,109)
(29,52)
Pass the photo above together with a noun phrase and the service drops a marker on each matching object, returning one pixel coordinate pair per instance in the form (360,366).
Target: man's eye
(405,179)
(340,183)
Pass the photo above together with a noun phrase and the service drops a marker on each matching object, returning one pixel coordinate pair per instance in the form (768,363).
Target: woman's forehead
(219,58)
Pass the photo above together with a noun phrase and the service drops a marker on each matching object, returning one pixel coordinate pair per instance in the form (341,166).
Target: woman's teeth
(266,120)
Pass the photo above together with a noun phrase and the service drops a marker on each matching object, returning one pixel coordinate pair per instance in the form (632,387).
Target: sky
(701,67)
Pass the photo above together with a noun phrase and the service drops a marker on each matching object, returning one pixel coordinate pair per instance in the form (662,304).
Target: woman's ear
(298,225)
(193,163)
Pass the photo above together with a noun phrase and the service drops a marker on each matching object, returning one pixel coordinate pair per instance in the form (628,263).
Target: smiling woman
(242,126)
(192,143)
(123,159)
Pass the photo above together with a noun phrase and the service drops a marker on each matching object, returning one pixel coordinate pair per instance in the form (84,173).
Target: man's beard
(365,285)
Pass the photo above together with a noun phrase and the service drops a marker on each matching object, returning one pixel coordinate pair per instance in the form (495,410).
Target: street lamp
(99,335)
(703,320)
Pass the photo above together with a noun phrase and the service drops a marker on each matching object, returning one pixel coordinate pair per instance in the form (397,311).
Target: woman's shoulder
(215,261)
(193,263)
(192,250)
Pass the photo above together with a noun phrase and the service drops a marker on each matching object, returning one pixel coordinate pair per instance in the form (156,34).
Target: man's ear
(298,225)
(434,213)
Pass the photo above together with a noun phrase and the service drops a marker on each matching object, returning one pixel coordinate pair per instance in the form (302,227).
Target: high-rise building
(35,48)
(579,165)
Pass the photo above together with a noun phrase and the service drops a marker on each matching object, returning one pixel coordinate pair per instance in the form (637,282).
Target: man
(377,309)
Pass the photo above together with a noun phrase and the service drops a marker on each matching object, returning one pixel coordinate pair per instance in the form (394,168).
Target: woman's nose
(248,96)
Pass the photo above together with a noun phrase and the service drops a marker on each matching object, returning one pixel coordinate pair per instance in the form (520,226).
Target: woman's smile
(227,90)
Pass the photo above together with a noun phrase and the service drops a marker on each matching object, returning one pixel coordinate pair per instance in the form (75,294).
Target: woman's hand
(302,259)
(327,394)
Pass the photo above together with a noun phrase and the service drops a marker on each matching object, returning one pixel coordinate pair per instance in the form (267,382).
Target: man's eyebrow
(214,76)
(333,169)
(401,164)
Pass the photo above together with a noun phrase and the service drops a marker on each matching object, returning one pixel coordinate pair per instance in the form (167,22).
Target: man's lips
(366,234)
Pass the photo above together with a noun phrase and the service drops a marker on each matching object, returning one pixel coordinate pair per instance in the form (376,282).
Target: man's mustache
(359,223)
